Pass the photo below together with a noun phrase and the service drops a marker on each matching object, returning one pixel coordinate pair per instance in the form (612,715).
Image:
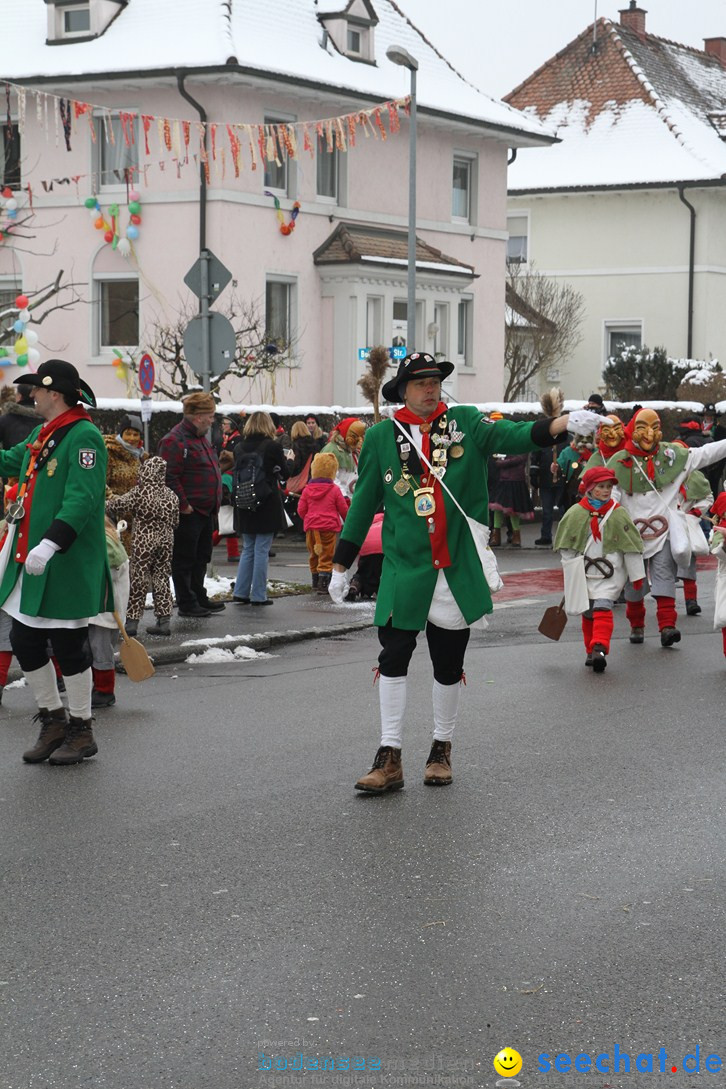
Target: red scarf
(598,514)
(404,415)
(71,415)
(608,451)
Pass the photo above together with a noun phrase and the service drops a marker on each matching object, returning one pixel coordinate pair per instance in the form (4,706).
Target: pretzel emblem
(650,528)
(599,568)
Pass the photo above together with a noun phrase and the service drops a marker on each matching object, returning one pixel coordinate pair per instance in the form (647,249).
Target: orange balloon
(99,224)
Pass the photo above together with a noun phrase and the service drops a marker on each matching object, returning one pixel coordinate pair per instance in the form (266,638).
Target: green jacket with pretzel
(67,507)
(413,556)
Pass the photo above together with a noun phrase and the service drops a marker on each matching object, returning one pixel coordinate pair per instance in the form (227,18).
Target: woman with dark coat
(258,527)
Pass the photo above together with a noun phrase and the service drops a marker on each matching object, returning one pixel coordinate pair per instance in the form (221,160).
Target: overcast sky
(498,43)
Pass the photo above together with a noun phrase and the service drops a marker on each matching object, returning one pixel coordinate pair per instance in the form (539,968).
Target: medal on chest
(424,502)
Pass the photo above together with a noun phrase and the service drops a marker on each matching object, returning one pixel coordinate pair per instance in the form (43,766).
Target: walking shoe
(161,627)
(637,635)
(599,658)
(79,743)
(669,636)
(213,606)
(386,773)
(323,582)
(52,734)
(241,600)
(495,539)
(102,699)
(544,542)
(438,765)
(693,608)
(194,610)
(516,541)
(268,601)
(588,660)
(314,580)
(132,626)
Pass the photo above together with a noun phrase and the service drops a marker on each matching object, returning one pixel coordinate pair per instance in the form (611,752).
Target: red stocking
(602,628)
(56,667)
(666,612)
(635,612)
(232,548)
(690,590)
(587,632)
(104,680)
(6,657)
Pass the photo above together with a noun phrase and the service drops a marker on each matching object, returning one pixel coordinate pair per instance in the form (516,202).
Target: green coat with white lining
(408,578)
(68,508)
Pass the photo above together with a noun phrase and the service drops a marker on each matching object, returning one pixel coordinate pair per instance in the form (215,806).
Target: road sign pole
(206,330)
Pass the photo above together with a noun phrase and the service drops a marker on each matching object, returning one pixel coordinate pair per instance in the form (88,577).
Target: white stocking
(78,688)
(446,707)
(44,686)
(392,696)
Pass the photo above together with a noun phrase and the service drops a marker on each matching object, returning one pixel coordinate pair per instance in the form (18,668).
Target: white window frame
(374,320)
(102,184)
(292,304)
(612,327)
(471,160)
(441,335)
(67,10)
(465,313)
(322,155)
(518,260)
(99,281)
(289,166)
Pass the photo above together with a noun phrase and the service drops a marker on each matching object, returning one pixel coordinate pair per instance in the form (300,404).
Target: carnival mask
(611,433)
(354,436)
(646,431)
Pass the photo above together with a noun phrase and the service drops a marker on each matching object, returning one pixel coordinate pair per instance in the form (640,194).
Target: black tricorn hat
(416,365)
(58,375)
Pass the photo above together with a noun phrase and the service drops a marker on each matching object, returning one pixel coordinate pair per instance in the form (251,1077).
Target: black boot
(314,578)
(52,734)
(323,582)
(132,626)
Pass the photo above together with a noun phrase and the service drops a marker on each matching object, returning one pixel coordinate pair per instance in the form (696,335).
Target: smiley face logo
(508,1062)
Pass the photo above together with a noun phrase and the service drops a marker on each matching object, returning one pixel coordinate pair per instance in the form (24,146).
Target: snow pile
(215,655)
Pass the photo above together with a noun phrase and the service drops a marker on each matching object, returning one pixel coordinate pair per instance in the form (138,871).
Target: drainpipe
(180,77)
(691,260)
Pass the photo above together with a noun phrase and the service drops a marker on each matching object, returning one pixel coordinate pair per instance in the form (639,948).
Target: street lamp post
(399,55)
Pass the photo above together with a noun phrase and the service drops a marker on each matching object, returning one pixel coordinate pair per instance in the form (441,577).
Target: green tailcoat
(409,576)
(68,507)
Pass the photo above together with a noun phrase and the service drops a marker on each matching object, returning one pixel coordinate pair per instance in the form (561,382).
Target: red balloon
(7,193)
(284,229)
(136,220)
(21,302)
(108,237)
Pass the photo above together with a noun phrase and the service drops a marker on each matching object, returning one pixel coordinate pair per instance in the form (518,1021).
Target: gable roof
(353,243)
(636,110)
(276,39)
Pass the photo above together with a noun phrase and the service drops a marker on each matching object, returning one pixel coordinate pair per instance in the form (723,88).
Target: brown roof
(353,242)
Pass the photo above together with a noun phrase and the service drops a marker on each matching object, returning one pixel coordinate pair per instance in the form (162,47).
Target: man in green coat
(54,571)
(432,577)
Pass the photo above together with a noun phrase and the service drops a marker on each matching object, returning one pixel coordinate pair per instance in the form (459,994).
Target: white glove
(38,557)
(583,422)
(338,586)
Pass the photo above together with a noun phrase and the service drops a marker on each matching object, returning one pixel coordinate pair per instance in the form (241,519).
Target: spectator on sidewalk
(193,473)
(323,510)
(259,524)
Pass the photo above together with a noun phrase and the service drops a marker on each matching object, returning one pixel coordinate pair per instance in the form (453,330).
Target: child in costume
(323,510)
(103,632)
(600,549)
(717,544)
(156,514)
(225,521)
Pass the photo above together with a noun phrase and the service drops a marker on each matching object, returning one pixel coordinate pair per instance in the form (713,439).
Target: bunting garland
(285,228)
(214,140)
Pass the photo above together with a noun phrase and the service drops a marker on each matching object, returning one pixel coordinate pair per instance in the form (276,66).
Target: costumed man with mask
(609,437)
(54,559)
(345,443)
(125,454)
(432,576)
(650,473)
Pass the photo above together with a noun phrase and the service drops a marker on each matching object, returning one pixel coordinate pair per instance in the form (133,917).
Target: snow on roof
(636,112)
(279,37)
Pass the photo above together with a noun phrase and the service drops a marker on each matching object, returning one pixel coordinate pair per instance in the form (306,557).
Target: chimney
(634,18)
(716,47)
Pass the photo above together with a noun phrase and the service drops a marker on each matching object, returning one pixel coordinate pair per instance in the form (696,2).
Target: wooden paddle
(135,660)
(553,622)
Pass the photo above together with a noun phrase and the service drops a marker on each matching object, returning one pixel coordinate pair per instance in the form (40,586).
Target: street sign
(222,343)
(363,354)
(146,374)
(146,403)
(218,277)
(399,352)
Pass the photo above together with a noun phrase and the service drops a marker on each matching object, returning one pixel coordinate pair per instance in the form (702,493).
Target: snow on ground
(215,655)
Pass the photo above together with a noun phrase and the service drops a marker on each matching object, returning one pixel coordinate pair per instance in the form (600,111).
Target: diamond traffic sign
(222,343)
(218,277)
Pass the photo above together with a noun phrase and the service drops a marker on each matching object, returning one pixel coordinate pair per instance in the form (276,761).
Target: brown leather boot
(78,745)
(516,541)
(386,773)
(53,726)
(438,765)
(495,539)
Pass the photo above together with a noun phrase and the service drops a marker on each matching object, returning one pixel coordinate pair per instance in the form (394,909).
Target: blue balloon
(132,232)
(19,326)
(12,213)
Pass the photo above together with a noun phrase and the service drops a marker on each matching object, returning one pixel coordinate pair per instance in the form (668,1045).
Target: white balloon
(11,204)
(31,337)
(124,247)
(94,213)
(24,316)
(33,356)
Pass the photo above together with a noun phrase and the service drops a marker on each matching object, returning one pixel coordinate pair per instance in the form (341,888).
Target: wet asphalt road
(210,888)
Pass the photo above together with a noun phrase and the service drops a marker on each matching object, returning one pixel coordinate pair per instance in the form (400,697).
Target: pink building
(112,96)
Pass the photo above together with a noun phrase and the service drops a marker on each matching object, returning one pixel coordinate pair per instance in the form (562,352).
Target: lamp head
(399,55)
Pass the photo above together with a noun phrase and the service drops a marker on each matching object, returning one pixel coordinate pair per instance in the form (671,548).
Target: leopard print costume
(156,514)
(122,474)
